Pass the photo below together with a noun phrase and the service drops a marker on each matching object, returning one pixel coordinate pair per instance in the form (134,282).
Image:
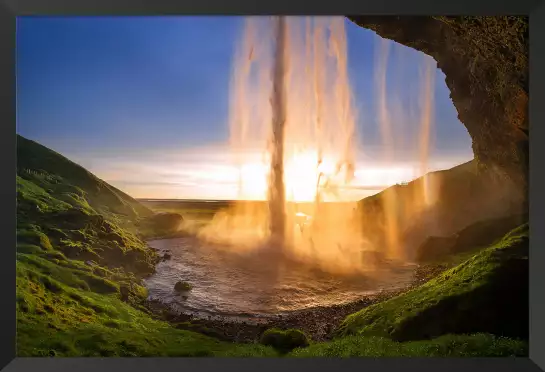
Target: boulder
(182,286)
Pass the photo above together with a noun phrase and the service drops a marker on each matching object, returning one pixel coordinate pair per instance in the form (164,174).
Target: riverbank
(319,323)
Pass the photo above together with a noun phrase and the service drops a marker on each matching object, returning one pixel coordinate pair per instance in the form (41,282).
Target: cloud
(210,172)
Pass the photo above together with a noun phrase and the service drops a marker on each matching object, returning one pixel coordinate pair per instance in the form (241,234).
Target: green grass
(45,166)
(78,249)
(67,312)
(74,226)
(284,340)
(477,345)
(486,293)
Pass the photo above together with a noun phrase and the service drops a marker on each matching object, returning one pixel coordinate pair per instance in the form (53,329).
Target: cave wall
(485,61)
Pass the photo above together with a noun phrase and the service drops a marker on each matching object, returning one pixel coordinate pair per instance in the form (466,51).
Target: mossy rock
(284,340)
(34,237)
(182,286)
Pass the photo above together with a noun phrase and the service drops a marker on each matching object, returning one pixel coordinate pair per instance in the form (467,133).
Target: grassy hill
(486,293)
(62,207)
(457,198)
(80,262)
(79,268)
(38,163)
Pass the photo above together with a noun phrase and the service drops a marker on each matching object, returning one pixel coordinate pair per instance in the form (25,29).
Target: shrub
(284,340)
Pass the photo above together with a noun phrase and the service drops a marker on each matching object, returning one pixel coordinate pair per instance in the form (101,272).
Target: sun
(303,177)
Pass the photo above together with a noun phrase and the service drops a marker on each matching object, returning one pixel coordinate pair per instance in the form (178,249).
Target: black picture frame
(11,9)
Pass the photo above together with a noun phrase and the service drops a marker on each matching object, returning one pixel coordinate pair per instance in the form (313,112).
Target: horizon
(142,103)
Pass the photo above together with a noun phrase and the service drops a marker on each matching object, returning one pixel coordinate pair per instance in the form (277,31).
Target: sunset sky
(143,102)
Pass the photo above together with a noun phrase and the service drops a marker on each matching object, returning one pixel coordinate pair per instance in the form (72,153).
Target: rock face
(485,60)
(476,235)
(461,197)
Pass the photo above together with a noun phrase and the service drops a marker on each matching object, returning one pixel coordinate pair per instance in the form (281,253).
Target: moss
(28,248)
(284,340)
(71,306)
(48,167)
(67,306)
(477,345)
(59,317)
(182,286)
(98,284)
(75,229)
(486,293)
(35,237)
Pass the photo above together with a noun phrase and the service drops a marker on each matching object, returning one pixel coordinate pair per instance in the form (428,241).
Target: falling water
(427,113)
(400,209)
(292,136)
(292,104)
(276,193)
(292,128)
(390,198)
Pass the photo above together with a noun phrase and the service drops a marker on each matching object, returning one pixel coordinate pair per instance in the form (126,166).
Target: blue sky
(149,95)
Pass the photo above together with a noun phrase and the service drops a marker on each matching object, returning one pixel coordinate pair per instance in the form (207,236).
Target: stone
(182,286)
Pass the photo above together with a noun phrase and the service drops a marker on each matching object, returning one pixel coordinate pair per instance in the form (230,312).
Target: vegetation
(182,286)
(445,346)
(77,252)
(284,340)
(63,309)
(81,260)
(486,293)
(467,241)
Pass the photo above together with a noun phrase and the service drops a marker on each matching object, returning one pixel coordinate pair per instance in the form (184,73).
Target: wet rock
(167,256)
(182,286)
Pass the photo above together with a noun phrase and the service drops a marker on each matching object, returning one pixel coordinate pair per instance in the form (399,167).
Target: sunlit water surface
(225,284)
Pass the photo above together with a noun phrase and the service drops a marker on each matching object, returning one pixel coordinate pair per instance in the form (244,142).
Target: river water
(230,285)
